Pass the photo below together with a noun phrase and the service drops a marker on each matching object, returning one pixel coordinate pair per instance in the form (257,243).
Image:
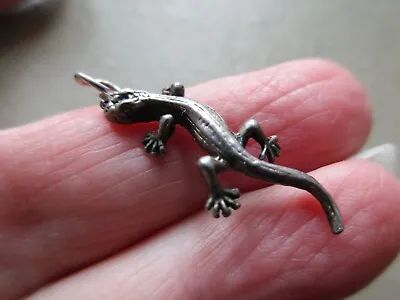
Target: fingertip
(344,94)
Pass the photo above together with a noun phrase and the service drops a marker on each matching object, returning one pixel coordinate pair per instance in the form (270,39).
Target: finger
(294,101)
(9,4)
(278,248)
(80,190)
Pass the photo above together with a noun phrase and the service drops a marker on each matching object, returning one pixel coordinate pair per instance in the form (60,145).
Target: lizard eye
(102,104)
(104,100)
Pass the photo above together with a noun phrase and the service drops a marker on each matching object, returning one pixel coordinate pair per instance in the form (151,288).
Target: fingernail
(386,155)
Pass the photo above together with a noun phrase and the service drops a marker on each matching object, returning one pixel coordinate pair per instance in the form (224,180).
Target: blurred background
(148,44)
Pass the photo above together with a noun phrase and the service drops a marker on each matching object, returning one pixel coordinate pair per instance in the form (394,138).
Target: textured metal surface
(226,149)
(38,54)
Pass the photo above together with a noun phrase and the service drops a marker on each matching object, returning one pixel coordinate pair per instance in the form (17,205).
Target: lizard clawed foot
(223,202)
(153,144)
(271,149)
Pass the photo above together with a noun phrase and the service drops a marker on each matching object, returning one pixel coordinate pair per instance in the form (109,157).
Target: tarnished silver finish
(226,149)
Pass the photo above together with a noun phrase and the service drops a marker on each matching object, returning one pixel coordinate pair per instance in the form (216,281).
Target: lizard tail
(291,177)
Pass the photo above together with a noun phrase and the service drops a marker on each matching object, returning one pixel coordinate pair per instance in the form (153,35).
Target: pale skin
(86,213)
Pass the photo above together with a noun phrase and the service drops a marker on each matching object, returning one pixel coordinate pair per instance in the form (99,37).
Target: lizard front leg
(155,142)
(221,200)
(176,89)
(269,145)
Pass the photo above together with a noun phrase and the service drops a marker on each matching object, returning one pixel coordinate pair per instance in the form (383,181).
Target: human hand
(82,204)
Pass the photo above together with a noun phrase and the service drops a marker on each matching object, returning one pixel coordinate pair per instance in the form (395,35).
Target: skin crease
(70,202)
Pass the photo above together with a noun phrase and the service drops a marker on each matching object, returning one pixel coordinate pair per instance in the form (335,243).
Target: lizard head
(121,107)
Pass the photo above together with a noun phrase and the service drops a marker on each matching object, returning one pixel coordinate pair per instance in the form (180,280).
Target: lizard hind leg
(270,147)
(221,201)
